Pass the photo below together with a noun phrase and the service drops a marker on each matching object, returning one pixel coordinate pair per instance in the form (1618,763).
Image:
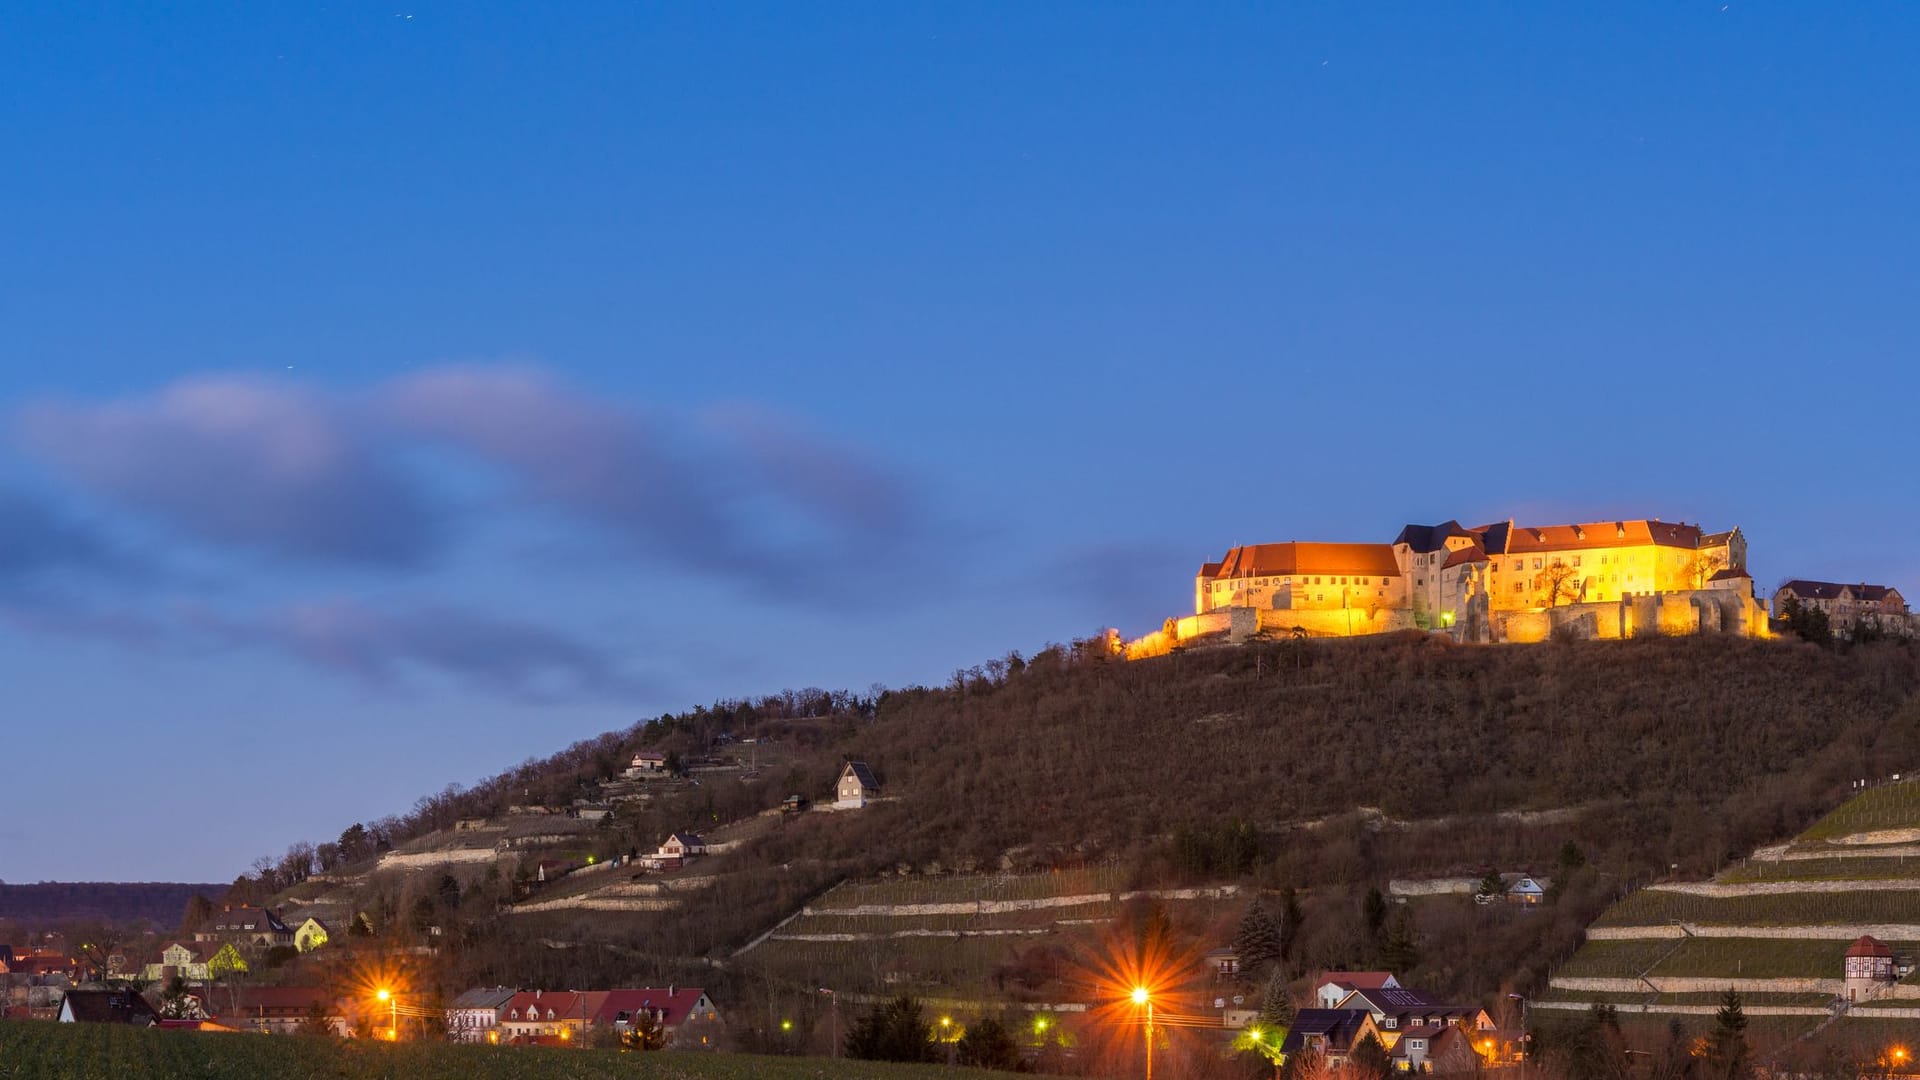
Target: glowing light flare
(1140,995)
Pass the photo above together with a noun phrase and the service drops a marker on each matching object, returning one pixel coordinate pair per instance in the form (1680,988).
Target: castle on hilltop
(1499,582)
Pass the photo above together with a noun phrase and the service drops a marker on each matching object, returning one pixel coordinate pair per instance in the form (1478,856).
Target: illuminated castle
(1499,582)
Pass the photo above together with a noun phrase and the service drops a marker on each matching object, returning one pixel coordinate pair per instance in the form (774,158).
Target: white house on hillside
(857,786)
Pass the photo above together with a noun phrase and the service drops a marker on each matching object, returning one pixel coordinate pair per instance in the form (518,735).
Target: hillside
(157,902)
(1777,927)
(1330,768)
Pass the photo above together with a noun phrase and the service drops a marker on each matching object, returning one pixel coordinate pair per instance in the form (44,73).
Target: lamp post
(946,1036)
(1141,997)
(393,1012)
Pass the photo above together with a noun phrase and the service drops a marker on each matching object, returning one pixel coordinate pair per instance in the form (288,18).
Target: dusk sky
(392,393)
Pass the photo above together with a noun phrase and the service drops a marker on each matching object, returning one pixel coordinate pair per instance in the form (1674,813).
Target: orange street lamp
(393,1012)
(1899,1056)
(1142,997)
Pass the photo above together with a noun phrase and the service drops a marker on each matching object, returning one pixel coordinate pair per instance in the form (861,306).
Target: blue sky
(394,392)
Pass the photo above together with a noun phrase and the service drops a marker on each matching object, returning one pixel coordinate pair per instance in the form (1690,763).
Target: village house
(683,845)
(107,1007)
(1447,1048)
(646,763)
(1328,1034)
(1527,891)
(474,1016)
(685,1015)
(1222,964)
(1397,1009)
(180,960)
(311,934)
(1847,607)
(276,1010)
(1333,987)
(857,786)
(246,926)
(1870,968)
(535,1016)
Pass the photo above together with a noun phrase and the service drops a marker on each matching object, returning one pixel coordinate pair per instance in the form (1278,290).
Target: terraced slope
(1776,928)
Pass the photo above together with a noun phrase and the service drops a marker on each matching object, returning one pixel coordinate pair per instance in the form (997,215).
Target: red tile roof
(1300,557)
(674,1007)
(1866,945)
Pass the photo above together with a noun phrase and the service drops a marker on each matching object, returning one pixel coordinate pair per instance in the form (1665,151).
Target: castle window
(1576,560)
(1536,562)
(1519,586)
(1519,564)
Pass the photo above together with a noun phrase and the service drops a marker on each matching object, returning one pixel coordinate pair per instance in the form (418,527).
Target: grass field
(1617,959)
(1650,907)
(39,1050)
(1895,806)
(1836,868)
(969,888)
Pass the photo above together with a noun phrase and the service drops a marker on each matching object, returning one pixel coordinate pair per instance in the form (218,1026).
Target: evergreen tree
(1374,910)
(1258,941)
(1727,1057)
(1276,1007)
(1491,885)
(1400,951)
(1290,920)
(1571,858)
(894,1031)
(988,1044)
(1370,1059)
(316,1022)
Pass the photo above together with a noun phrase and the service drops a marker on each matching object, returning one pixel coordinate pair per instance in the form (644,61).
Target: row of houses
(684,1015)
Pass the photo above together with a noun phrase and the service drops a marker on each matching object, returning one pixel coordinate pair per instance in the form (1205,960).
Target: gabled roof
(1300,557)
(1337,1026)
(562,1004)
(1471,554)
(1395,1000)
(1868,945)
(1358,980)
(1595,534)
(687,839)
(1728,575)
(493,998)
(108,1007)
(1832,590)
(861,773)
(673,1004)
(1427,538)
(254,1000)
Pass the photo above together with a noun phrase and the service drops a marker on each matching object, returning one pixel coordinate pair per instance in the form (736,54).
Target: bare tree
(1557,582)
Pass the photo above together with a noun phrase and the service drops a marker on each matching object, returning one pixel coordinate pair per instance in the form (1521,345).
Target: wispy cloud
(246,463)
(380,479)
(744,494)
(38,540)
(389,647)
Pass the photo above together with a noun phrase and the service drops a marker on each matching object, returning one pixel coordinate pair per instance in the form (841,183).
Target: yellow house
(310,935)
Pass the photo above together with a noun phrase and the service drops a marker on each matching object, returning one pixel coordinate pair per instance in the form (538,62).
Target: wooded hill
(157,902)
(1331,767)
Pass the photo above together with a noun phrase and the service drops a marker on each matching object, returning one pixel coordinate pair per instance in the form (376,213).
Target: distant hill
(1395,763)
(158,902)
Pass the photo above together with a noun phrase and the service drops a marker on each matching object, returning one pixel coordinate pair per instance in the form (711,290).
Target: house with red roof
(1333,987)
(533,1015)
(1870,967)
(685,1013)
